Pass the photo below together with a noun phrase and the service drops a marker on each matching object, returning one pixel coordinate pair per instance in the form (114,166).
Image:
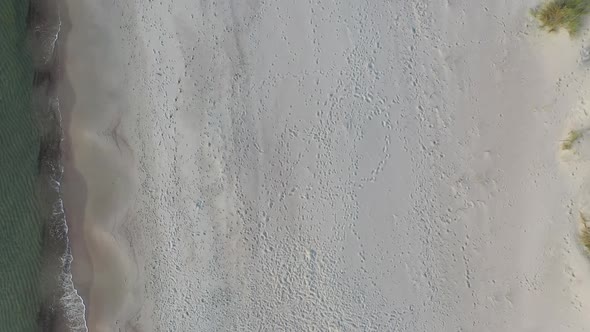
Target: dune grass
(585,232)
(557,14)
(585,238)
(572,137)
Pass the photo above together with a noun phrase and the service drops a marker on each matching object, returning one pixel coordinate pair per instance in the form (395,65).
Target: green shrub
(584,232)
(572,137)
(557,14)
(585,238)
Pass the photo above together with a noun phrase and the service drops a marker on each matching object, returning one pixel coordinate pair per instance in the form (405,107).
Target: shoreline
(73,187)
(62,309)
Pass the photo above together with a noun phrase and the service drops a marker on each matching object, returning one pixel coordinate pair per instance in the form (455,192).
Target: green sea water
(20,225)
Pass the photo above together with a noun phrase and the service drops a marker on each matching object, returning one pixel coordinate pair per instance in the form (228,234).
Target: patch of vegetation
(572,137)
(585,238)
(585,232)
(566,14)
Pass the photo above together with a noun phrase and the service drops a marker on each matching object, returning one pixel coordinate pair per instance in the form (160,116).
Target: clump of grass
(585,232)
(585,238)
(566,14)
(572,137)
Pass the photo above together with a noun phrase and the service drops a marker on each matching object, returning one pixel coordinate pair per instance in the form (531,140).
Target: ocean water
(21,231)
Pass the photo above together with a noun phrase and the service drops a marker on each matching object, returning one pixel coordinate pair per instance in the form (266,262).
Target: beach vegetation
(572,137)
(562,14)
(584,232)
(585,238)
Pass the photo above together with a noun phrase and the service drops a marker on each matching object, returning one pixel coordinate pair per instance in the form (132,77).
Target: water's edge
(62,308)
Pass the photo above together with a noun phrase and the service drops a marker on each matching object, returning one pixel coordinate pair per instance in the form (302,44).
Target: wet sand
(99,178)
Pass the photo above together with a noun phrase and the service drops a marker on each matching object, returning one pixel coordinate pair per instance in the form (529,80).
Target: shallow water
(36,292)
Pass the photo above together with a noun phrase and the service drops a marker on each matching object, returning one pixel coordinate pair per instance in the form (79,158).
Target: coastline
(60,306)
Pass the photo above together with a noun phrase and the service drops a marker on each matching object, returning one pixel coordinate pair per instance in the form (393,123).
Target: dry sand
(322,166)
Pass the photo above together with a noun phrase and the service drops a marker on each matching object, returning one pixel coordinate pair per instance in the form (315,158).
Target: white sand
(325,166)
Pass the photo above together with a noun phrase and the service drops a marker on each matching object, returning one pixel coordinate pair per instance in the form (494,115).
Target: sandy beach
(333,166)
